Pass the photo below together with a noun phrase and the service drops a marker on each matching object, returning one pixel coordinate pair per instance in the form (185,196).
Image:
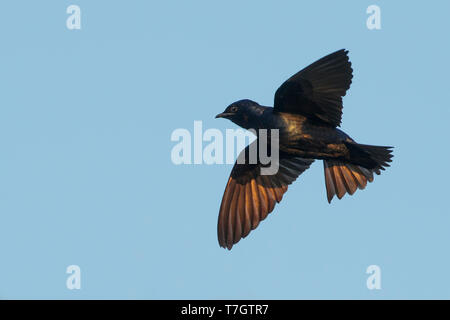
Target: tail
(346,176)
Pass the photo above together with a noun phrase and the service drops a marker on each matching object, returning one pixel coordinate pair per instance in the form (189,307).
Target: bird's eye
(234,109)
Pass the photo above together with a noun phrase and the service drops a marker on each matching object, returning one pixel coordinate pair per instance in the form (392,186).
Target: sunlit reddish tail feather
(342,178)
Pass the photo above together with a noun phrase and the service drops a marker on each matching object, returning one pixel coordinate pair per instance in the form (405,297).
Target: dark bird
(307,111)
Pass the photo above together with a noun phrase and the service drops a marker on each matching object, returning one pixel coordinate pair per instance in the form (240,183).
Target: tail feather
(343,177)
(374,158)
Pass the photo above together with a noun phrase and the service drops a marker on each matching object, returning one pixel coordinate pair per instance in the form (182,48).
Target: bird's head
(243,113)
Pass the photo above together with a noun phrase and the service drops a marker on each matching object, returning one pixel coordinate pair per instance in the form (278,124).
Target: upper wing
(249,196)
(316,91)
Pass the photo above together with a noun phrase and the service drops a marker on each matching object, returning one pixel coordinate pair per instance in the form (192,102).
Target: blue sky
(85,171)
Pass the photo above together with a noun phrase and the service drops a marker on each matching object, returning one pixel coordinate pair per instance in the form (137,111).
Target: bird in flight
(307,111)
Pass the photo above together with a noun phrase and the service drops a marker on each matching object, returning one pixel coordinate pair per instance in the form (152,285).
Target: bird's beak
(224,115)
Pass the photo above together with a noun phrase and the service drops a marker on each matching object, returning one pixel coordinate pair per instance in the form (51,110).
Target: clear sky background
(86,176)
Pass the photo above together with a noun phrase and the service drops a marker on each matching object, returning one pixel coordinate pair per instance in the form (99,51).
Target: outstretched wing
(316,91)
(249,196)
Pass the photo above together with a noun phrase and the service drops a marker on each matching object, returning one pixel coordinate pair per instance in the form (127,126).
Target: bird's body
(306,113)
(298,135)
(301,137)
